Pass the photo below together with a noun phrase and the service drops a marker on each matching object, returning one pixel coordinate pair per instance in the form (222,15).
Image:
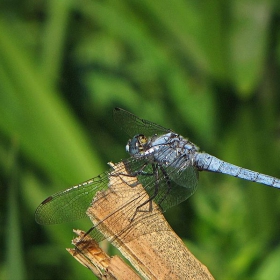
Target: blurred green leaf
(15,253)
(249,41)
(45,123)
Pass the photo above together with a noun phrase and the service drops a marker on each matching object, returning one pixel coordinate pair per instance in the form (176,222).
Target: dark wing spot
(47,200)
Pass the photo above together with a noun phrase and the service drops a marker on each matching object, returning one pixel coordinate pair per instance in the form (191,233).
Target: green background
(207,69)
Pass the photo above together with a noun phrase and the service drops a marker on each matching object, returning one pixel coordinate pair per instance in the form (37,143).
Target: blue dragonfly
(164,162)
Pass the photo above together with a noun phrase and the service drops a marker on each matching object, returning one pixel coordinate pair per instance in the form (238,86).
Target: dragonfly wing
(186,177)
(172,189)
(133,125)
(70,204)
(186,180)
(178,187)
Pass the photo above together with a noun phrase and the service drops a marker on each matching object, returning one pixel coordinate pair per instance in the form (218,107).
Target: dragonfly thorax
(164,149)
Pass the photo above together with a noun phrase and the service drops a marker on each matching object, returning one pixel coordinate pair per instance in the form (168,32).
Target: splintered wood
(89,254)
(143,236)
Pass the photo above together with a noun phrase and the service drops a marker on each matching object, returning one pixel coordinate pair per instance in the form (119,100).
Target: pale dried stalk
(148,242)
(90,255)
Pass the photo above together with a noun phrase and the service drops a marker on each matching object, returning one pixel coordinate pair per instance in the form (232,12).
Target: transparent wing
(133,125)
(70,204)
(169,194)
(175,185)
(183,185)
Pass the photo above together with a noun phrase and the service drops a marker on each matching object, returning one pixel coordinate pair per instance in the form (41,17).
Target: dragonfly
(164,162)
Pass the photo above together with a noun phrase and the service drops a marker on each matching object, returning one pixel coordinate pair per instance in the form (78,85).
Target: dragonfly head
(137,144)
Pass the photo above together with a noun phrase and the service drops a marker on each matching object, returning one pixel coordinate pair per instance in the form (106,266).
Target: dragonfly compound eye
(136,144)
(142,139)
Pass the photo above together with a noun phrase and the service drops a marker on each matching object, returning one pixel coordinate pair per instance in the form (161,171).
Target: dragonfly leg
(135,174)
(139,171)
(150,200)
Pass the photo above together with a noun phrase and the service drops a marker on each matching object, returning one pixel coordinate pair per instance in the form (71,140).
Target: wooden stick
(144,238)
(90,255)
